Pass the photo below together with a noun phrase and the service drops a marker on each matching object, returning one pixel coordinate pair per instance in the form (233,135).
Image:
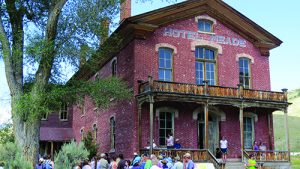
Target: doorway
(213,132)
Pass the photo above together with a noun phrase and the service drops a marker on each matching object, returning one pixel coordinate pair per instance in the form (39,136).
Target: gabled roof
(215,8)
(141,25)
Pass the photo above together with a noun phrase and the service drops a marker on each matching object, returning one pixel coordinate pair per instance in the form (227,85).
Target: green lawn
(295,162)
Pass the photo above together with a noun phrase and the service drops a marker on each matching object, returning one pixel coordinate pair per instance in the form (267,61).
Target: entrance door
(213,132)
(213,136)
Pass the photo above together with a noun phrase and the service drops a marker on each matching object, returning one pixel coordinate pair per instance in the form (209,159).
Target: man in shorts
(224,147)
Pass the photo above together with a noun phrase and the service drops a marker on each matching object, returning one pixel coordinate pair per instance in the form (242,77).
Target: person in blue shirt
(177,145)
(188,162)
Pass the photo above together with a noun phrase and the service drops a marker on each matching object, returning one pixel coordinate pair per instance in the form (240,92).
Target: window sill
(209,33)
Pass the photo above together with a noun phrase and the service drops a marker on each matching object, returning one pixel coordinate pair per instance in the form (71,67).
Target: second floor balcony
(220,93)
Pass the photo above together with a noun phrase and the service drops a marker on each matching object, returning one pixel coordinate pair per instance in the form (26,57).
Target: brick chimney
(125,10)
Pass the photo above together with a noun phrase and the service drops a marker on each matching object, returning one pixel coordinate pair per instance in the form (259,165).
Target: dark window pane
(169,124)
(162,123)
(168,131)
(162,133)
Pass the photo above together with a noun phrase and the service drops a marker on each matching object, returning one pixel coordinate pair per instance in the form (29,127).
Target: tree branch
(9,71)
(47,58)
(16,20)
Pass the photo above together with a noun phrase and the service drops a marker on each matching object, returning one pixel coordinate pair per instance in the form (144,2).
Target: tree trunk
(27,134)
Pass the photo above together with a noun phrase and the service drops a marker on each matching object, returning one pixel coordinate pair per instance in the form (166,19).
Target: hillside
(294,123)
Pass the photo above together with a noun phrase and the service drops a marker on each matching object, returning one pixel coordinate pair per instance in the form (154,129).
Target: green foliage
(6,133)
(295,161)
(11,155)
(90,144)
(51,100)
(70,155)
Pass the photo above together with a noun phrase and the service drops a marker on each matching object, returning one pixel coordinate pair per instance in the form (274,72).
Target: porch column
(286,125)
(242,130)
(139,126)
(151,123)
(52,149)
(287,131)
(206,125)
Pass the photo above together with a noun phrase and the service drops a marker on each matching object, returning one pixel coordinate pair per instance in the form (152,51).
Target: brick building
(198,69)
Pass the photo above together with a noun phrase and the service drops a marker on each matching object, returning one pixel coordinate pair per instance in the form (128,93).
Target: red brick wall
(54,121)
(184,61)
(122,111)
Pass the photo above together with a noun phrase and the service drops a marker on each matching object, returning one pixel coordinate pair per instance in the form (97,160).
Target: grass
(295,162)
(293,124)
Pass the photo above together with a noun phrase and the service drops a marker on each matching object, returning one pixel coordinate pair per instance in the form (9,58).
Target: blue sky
(281,18)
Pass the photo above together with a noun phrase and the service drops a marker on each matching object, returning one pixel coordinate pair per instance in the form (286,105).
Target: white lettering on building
(176,33)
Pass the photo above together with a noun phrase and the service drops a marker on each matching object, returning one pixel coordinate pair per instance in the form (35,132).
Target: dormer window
(205,25)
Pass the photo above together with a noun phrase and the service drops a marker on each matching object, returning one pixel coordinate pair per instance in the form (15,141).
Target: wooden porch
(204,155)
(198,155)
(152,91)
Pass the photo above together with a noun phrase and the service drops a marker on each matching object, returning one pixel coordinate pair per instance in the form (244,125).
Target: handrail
(214,160)
(211,91)
(270,155)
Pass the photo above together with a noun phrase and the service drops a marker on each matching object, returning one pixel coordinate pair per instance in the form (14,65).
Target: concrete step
(234,165)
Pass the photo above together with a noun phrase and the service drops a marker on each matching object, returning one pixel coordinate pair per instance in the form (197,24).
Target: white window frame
(252,132)
(165,128)
(64,109)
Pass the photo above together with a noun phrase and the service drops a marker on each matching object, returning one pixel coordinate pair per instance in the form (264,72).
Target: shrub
(90,145)
(12,157)
(70,155)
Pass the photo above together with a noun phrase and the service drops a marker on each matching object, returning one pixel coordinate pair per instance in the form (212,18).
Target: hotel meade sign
(176,33)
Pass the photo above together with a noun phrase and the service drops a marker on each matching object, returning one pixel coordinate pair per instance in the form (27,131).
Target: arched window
(82,133)
(112,132)
(114,67)
(205,25)
(95,129)
(165,65)
(205,65)
(244,72)
(63,113)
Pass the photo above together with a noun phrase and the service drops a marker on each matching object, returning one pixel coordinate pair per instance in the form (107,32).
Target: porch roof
(56,134)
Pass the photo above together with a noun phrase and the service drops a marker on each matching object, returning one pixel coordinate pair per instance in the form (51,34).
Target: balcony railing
(215,91)
(269,155)
(198,155)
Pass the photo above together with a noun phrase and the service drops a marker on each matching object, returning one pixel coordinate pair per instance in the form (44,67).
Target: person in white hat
(39,165)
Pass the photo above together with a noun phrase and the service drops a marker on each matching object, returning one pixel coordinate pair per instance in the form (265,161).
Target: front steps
(237,164)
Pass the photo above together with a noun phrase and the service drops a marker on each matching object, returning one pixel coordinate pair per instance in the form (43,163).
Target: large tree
(37,38)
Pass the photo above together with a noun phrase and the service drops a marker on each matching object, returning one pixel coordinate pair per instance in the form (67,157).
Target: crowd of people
(144,161)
